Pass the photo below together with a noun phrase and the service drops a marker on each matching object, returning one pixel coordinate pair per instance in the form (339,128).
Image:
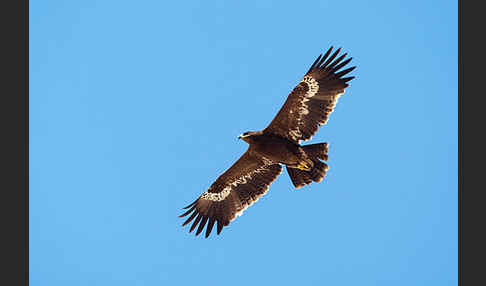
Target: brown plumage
(307,107)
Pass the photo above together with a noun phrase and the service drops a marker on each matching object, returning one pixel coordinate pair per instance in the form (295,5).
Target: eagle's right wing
(234,191)
(312,101)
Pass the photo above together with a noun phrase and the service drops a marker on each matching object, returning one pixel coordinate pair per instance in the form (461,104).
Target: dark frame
(471,194)
(15,139)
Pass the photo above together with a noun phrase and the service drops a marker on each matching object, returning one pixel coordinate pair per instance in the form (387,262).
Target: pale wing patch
(217,197)
(313,86)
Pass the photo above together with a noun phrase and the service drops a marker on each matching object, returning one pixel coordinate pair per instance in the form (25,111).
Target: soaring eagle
(307,107)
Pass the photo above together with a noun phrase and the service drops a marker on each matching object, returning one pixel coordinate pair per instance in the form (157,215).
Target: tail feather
(315,152)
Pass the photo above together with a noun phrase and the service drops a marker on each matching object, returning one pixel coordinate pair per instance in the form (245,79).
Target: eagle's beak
(239,137)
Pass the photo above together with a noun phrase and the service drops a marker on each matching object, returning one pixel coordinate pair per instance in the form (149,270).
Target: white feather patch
(217,197)
(313,85)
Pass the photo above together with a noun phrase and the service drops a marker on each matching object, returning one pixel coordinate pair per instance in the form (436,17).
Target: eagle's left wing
(234,191)
(312,101)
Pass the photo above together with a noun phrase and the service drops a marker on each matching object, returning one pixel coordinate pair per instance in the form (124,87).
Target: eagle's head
(247,136)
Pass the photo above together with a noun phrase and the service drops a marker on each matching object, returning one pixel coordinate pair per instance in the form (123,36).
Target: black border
(15,142)
(471,143)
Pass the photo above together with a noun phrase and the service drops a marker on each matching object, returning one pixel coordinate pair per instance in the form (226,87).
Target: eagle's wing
(234,191)
(312,101)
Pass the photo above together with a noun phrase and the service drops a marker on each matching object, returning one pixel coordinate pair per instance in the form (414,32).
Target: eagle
(307,107)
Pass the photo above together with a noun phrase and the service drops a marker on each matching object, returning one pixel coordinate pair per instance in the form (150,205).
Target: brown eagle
(307,107)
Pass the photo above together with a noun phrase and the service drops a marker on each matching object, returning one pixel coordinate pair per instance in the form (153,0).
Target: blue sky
(135,108)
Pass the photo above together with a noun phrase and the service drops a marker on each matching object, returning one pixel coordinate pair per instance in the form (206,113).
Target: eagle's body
(276,148)
(306,108)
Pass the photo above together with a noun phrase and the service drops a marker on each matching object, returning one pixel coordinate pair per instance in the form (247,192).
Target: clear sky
(135,109)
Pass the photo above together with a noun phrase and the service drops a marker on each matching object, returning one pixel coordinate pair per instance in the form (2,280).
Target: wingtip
(219,227)
(188,212)
(190,205)
(346,79)
(314,64)
(207,233)
(188,220)
(202,224)
(193,226)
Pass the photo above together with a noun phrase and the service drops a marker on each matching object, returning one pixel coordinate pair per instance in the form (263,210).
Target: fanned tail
(315,152)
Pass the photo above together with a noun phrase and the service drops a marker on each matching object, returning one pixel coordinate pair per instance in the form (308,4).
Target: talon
(311,164)
(304,167)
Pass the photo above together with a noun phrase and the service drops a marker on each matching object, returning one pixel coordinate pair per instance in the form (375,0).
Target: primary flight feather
(307,107)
